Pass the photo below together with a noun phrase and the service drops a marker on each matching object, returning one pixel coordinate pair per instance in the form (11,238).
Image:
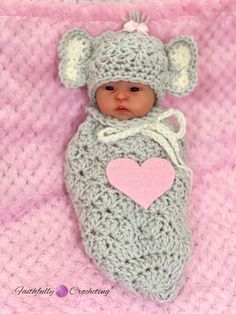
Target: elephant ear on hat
(182,60)
(74,50)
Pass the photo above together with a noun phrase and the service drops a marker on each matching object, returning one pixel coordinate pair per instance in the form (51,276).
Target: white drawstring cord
(158,131)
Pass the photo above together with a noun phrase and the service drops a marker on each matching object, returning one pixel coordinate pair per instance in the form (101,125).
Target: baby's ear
(182,59)
(74,50)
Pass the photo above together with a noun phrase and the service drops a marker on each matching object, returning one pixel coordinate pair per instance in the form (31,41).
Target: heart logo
(145,183)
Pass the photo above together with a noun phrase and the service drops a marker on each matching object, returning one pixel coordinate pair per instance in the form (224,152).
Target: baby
(125,168)
(125,100)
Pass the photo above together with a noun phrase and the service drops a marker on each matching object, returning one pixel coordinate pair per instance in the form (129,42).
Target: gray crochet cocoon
(144,251)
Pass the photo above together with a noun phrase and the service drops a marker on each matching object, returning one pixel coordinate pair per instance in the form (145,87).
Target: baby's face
(125,100)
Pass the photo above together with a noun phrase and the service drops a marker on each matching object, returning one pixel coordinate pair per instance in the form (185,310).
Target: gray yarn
(128,56)
(144,251)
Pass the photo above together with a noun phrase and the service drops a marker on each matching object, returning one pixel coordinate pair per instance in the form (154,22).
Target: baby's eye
(108,87)
(134,89)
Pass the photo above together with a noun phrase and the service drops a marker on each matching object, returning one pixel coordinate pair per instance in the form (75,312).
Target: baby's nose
(121,95)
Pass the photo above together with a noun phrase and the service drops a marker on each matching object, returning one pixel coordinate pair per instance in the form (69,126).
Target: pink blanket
(40,241)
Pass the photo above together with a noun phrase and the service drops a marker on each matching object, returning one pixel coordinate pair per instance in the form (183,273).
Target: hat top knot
(137,23)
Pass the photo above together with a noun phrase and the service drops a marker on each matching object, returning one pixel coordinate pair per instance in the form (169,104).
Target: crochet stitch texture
(40,240)
(143,251)
(125,56)
(128,56)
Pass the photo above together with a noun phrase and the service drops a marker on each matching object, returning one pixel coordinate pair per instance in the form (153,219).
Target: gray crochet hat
(131,55)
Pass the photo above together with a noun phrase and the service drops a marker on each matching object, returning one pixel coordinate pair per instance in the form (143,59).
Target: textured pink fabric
(40,243)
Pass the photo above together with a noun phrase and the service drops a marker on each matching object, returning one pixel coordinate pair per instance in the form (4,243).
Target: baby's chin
(119,114)
(126,115)
(123,115)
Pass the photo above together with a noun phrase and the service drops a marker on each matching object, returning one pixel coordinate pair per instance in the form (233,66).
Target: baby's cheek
(143,108)
(104,105)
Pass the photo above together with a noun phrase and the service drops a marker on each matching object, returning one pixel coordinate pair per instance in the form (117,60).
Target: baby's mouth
(121,108)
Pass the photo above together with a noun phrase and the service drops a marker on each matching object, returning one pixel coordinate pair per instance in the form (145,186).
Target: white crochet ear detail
(74,51)
(182,55)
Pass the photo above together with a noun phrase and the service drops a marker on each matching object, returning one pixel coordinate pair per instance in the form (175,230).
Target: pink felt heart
(145,183)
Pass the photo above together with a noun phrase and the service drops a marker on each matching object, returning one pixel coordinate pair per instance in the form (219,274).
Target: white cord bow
(158,131)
